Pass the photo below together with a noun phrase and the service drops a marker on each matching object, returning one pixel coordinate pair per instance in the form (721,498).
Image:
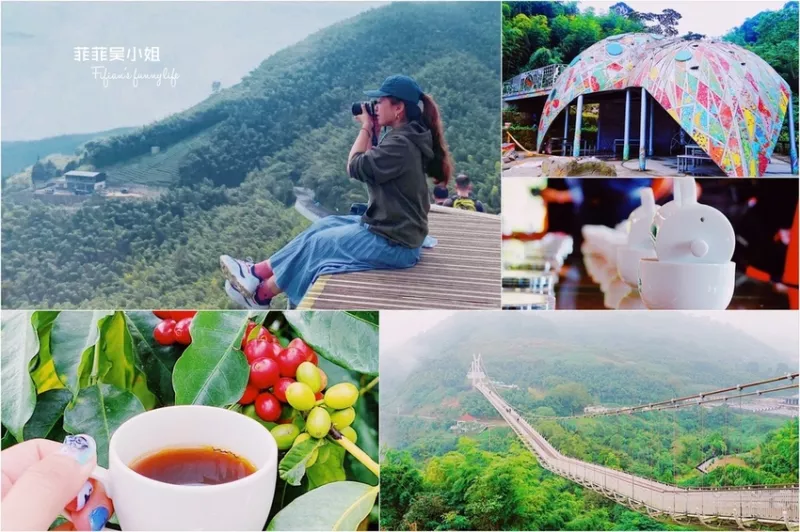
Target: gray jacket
(394,172)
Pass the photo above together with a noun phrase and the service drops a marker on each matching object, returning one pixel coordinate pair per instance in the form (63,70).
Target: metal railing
(533,81)
(773,504)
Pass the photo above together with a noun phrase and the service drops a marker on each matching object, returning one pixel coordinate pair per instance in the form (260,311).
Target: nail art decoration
(83,496)
(81,448)
(98,518)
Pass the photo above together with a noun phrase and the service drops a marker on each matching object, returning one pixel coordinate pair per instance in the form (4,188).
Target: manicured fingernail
(81,448)
(98,518)
(83,496)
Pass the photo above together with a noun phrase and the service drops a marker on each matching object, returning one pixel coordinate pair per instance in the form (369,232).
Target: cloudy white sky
(709,17)
(45,92)
(399,326)
(778,329)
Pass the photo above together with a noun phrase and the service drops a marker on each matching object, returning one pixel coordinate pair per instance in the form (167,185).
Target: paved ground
(656,167)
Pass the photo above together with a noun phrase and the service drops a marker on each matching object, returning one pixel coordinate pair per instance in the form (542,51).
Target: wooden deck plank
(461,272)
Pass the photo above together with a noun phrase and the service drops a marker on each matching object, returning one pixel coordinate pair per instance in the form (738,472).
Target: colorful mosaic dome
(729,100)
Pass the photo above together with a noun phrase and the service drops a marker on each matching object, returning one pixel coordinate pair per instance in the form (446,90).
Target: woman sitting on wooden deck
(391,233)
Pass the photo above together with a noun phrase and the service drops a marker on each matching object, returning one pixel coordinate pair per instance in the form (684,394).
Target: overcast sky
(400,325)
(778,329)
(46,92)
(709,17)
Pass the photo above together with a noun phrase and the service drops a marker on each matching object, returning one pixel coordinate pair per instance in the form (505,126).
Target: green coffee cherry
(324,454)
(341,396)
(285,435)
(307,373)
(300,439)
(343,418)
(349,433)
(318,422)
(300,396)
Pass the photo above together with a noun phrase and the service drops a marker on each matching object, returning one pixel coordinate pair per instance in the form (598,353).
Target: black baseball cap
(440,192)
(398,86)
(462,181)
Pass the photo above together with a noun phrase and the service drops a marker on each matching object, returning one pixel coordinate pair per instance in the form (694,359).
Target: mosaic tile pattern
(729,100)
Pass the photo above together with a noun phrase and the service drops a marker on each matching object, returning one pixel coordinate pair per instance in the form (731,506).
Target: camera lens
(356,109)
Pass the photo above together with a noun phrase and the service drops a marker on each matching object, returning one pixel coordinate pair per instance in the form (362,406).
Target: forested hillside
(536,34)
(299,100)
(559,367)
(235,158)
(19,154)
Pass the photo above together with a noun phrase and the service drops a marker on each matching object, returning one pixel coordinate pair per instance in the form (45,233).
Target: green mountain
(289,119)
(229,163)
(19,154)
(623,359)
(560,363)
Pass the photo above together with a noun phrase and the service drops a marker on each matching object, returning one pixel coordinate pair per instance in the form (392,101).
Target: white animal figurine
(640,221)
(639,244)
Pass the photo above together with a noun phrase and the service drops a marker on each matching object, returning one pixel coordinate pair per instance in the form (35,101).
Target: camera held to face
(369,106)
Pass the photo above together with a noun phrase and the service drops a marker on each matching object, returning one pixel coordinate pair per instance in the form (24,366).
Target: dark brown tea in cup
(201,466)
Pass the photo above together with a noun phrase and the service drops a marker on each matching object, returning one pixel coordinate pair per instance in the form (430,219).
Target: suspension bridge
(741,504)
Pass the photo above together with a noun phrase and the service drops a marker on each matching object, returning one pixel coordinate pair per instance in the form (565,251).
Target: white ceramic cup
(142,503)
(686,285)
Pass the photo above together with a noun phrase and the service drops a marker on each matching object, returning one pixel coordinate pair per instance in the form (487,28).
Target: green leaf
(331,470)
(46,417)
(44,318)
(20,345)
(340,337)
(370,316)
(293,466)
(368,442)
(45,376)
(98,411)
(72,345)
(258,316)
(336,506)
(117,363)
(156,361)
(7,441)
(213,371)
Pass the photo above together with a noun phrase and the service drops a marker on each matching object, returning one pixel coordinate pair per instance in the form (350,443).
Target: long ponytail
(441,166)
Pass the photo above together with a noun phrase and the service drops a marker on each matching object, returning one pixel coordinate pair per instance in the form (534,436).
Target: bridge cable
(674,441)
(702,442)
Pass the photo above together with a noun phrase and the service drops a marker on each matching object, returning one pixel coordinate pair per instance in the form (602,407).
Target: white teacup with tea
(191,468)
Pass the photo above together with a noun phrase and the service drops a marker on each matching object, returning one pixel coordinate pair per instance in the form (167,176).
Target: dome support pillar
(626,146)
(643,132)
(576,144)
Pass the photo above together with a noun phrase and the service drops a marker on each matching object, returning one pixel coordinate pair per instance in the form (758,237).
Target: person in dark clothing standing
(440,194)
(391,232)
(463,198)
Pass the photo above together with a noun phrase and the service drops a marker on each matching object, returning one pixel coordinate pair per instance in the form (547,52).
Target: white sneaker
(242,301)
(240,274)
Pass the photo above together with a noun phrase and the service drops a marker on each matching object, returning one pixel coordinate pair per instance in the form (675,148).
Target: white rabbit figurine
(694,244)
(639,244)
(695,233)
